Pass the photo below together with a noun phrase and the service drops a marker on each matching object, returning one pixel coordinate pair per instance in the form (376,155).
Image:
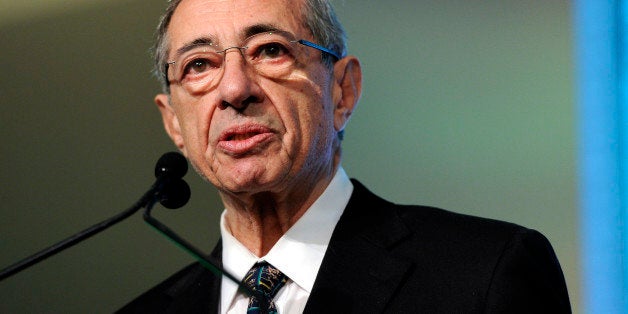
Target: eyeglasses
(271,54)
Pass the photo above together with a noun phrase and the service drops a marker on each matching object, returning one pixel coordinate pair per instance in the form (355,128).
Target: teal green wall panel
(467,105)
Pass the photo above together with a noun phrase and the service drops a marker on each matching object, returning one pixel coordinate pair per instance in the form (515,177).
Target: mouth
(244,139)
(240,136)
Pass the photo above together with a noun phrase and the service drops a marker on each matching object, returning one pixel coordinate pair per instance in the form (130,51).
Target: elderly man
(257,94)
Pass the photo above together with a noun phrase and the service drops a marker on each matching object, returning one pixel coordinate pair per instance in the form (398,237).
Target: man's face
(251,133)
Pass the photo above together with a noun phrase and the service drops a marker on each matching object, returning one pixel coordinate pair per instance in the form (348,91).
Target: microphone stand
(201,257)
(171,192)
(149,196)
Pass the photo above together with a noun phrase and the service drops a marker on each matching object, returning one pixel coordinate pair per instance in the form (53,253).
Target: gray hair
(318,16)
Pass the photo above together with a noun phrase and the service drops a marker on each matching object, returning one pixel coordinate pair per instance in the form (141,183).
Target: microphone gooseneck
(168,189)
(174,194)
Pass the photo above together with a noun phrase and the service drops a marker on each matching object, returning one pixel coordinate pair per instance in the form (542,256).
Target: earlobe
(347,90)
(170,121)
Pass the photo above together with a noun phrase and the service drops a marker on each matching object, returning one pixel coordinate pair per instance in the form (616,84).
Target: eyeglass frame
(304,42)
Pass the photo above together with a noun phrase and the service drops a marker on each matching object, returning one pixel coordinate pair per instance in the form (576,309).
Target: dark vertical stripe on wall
(603,156)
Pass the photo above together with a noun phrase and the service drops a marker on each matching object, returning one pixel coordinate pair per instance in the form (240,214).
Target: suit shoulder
(418,217)
(438,218)
(455,227)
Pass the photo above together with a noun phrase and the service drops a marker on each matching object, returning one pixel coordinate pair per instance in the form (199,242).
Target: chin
(250,180)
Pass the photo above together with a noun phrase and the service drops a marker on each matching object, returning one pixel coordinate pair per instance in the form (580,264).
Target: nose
(237,88)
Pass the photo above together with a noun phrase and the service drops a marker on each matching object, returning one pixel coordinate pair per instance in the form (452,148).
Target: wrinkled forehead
(229,22)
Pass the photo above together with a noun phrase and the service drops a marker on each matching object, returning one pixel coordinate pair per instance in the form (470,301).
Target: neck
(258,221)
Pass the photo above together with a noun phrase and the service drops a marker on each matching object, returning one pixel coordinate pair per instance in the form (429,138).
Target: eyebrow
(209,41)
(260,28)
(202,41)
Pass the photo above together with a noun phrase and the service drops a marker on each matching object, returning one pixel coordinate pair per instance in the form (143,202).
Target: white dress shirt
(298,253)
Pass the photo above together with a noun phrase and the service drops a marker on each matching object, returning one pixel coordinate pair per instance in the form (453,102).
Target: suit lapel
(358,274)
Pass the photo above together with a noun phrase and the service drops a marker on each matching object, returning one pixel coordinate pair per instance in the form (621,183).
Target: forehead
(229,20)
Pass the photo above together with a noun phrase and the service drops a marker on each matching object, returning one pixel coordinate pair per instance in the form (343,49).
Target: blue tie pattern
(266,281)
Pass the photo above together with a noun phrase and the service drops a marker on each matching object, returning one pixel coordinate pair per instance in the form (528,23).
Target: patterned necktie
(266,280)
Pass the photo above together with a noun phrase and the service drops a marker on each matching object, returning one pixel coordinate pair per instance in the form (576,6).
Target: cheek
(318,113)
(194,119)
(316,124)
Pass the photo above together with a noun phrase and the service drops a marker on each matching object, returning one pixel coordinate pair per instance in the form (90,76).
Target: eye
(197,66)
(272,50)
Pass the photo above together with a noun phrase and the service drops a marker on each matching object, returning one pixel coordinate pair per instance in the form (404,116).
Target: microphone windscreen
(171,164)
(174,194)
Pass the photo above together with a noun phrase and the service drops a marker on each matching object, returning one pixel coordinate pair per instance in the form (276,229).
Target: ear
(170,120)
(347,88)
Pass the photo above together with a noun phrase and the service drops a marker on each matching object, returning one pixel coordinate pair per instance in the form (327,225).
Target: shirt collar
(300,251)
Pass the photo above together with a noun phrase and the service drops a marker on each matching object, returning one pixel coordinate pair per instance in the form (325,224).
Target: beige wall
(467,106)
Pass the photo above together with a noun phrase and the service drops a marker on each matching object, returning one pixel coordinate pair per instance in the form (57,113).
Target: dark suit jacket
(388,258)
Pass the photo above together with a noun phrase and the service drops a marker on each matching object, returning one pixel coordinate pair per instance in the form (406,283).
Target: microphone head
(174,193)
(171,164)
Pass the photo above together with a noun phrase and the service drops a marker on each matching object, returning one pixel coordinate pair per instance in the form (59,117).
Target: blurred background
(467,105)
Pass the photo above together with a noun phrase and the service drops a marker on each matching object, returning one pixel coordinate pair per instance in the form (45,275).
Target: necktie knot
(266,280)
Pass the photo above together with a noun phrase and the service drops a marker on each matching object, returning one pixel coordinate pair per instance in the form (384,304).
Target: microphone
(174,192)
(169,189)
(171,164)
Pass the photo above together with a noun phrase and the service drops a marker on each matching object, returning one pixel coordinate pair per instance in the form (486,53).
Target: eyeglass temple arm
(165,74)
(321,48)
